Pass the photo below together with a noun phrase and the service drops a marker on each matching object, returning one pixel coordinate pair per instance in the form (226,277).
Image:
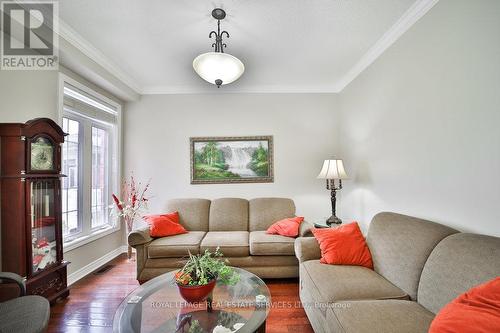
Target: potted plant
(197,278)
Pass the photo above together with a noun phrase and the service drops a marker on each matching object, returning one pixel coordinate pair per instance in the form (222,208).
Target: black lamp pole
(330,185)
(218,14)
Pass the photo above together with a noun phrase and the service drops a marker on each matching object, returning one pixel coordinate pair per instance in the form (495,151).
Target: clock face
(42,154)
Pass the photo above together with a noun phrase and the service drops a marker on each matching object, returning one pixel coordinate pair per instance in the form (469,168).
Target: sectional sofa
(237,226)
(419,266)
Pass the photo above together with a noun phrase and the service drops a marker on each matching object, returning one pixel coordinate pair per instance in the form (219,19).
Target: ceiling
(286,45)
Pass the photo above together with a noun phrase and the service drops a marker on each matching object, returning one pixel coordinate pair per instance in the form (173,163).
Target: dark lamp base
(333,220)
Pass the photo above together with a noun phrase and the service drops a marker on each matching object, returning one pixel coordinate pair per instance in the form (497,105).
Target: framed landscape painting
(219,160)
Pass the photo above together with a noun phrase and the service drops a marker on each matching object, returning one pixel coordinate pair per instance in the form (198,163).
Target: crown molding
(405,22)
(75,39)
(171,90)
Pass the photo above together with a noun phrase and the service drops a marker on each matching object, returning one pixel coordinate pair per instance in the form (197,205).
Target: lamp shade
(332,169)
(215,66)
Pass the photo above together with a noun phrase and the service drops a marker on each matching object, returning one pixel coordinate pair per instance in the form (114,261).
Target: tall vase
(129,222)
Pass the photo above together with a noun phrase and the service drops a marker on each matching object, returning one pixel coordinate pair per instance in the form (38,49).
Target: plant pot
(194,294)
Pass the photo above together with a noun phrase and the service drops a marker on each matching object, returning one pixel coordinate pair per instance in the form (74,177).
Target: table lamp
(333,170)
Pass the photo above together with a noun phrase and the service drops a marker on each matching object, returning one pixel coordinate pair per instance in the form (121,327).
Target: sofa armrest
(139,236)
(13,277)
(307,248)
(305,229)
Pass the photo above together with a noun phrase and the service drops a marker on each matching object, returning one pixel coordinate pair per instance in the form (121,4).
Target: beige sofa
(236,226)
(419,267)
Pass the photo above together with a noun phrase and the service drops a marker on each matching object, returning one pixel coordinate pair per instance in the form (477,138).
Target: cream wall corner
(420,126)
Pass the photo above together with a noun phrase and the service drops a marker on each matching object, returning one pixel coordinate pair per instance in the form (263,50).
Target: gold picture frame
(230,160)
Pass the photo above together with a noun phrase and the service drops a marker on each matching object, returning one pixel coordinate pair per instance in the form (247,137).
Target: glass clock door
(43,224)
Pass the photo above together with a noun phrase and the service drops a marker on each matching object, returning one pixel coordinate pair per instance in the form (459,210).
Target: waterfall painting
(216,160)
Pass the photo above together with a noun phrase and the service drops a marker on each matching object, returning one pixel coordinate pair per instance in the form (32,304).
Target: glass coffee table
(157,306)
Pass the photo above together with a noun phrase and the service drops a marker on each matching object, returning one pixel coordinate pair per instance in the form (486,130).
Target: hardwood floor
(94,299)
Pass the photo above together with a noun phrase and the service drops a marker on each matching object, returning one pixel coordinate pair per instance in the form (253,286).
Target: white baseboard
(87,269)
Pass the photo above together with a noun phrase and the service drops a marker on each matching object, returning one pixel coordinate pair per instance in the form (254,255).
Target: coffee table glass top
(157,306)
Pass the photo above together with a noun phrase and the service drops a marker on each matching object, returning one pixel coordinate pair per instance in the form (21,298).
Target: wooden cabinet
(30,157)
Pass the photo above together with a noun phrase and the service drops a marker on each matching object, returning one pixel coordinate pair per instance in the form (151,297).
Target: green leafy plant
(200,269)
(196,327)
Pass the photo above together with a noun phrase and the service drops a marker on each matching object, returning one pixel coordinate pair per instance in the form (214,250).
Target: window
(99,177)
(90,156)
(70,167)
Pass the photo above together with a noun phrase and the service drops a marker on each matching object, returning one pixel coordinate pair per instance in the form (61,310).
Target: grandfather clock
(30,175)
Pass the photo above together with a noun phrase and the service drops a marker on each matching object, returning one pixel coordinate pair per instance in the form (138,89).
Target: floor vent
(103,269)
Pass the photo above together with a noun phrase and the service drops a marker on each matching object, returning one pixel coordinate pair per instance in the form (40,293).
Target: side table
(322,223)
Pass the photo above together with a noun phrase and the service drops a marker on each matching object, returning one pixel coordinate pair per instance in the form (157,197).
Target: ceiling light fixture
(217,67)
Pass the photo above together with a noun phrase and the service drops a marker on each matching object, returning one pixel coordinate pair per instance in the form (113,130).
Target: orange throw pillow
(164,225)
(287,227)
(344,245)
(475,311)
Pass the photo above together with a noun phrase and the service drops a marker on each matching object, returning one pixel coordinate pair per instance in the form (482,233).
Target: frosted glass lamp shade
(332,169)
(214,66)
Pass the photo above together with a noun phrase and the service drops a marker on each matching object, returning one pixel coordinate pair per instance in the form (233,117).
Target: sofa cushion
(228,214)
(343,245)
(193,213)
(400,246)
(287,227)
(388,316)
(176,246)
(164,225)
(334,283)
(230,243)
(264,244)
(25,314)
(265,211)
(458,263)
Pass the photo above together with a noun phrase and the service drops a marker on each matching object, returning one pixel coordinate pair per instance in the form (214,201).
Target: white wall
(304,126)
(25,95)
(420,127)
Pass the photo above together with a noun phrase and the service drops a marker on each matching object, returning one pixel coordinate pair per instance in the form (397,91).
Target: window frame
(80,173)
(87,233)
(108,189)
